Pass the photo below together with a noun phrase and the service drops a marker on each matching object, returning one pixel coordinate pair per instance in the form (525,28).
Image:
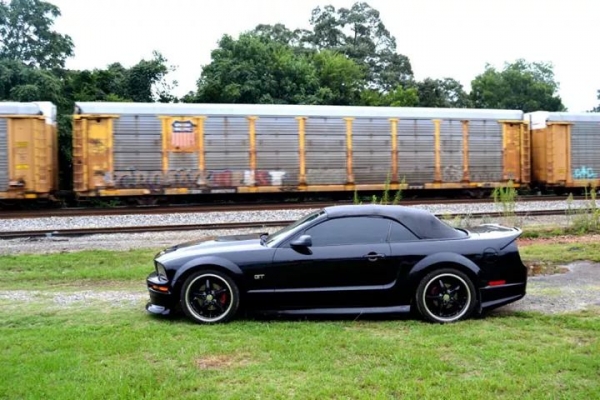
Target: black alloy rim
(447,297)
(210,297)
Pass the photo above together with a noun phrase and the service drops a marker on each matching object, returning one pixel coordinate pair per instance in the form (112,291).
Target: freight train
(149,151)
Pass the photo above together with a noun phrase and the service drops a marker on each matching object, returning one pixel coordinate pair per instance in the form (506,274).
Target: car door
(406,251)
(348,264)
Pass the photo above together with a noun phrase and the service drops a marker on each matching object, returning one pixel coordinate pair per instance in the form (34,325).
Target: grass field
(100,349)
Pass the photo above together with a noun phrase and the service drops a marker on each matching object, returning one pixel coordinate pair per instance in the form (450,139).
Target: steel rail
(159,210)
(230,226)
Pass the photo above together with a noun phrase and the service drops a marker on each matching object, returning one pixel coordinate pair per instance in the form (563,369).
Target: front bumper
(162,301)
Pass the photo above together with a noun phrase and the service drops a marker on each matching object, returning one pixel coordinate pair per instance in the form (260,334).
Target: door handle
(374,256)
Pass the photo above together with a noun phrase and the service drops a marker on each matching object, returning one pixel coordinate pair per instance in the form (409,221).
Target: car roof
(423,223)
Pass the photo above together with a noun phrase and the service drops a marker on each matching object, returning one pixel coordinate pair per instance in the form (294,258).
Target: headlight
(160,270)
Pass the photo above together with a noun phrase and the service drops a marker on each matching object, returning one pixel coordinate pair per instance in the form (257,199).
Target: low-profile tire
(209,297)
(446,295)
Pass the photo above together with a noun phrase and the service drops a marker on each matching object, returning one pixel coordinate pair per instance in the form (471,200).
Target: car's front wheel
(209,297)
(446,295)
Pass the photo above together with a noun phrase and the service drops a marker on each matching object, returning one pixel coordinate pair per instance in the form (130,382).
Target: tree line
(347,57)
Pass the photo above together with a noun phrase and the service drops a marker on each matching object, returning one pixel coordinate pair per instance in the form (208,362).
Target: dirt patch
(222,361)
(577,289)
(537,268)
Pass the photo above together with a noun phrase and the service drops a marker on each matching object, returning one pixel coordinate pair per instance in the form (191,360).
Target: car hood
(211,245)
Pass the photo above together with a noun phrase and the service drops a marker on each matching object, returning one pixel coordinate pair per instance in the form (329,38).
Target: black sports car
(344,259)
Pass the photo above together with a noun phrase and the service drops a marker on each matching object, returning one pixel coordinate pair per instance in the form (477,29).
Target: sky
(442,38)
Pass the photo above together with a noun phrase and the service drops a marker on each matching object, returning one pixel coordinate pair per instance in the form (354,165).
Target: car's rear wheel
(446,295)
(209,297)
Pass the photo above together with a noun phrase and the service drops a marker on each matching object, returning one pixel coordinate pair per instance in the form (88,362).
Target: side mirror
(302,241)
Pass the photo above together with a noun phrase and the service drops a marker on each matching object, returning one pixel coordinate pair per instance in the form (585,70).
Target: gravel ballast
(109,221)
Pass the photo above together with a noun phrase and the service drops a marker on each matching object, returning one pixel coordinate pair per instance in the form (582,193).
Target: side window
(364,230)
(399,233)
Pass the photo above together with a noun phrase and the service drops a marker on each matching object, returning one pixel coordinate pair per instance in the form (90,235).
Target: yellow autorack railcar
(28,150)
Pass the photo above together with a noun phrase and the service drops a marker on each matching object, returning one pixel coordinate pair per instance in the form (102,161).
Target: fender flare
(438,258)
(197,262)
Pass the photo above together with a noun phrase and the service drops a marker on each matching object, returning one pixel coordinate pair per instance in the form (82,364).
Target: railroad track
(153,210)
(224,226)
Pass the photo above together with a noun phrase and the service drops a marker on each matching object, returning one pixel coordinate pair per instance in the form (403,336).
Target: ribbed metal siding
(277,148)
(3,155)
(416,155)
(485,151)
(451,151)
(137,143)
(371,150)
(585,150)
(325,151)
(226,143)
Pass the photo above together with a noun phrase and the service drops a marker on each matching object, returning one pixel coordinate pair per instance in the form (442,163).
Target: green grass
(41,270)
(122,353)
(561,253)
(103,350)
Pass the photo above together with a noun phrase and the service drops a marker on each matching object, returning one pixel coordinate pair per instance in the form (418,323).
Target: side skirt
(339,311)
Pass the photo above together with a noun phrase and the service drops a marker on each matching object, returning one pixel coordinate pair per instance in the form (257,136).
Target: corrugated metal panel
(277,134)
(263,110)
(137,143)
(16,108)
(277,150)
(283,166)
(137,161)
(325,151)
(585,150)
(226,143)
(139,125)
(3,155)
(485,151)
(452,151)
(416,155)
(371,143)
(183,161)
(227,161)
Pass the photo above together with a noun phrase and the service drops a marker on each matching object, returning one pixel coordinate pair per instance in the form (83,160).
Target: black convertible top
(423,223)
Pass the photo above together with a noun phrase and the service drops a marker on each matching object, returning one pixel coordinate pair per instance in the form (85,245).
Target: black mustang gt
(344,259)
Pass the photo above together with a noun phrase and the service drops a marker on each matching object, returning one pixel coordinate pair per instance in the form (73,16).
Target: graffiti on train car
(584,173)
(188,178)
(455,173)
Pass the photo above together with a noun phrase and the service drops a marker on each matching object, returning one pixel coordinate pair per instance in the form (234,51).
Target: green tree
(520,85)
(18,82)
(146,81)
(280,33)
(359,33)
(340,79)
(257,69)
(26,34)
(445,93)
(400,97)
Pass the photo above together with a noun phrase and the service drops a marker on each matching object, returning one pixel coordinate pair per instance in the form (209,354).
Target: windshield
(282,232)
